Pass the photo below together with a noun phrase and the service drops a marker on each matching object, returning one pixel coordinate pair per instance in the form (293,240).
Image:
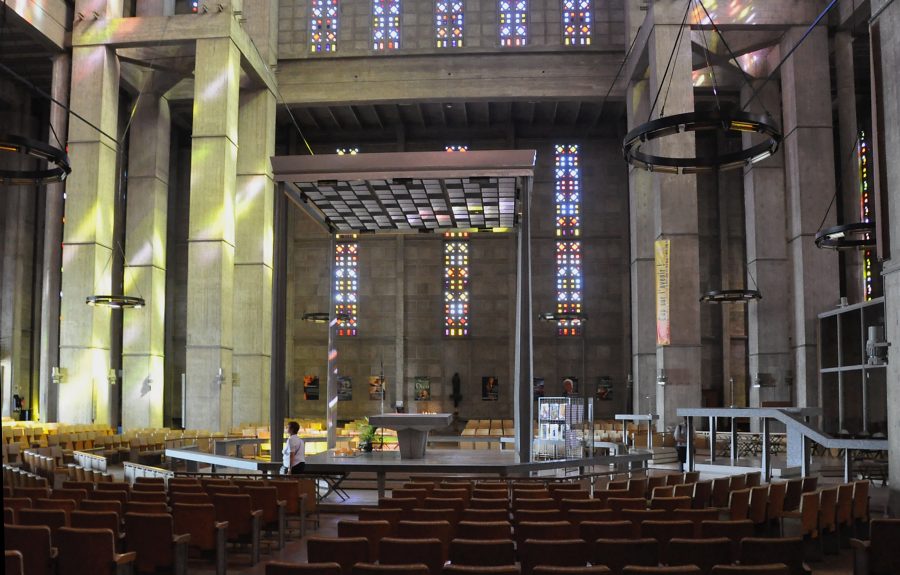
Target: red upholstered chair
(99,520)
(563,553)
(91,552)
(152,536)
(243,520)
(52,518)
(484,530)
(373,531)
(482,553)
(77,495)
(617,553)
(378,569)
(33,542)
(283,568)
(429,552)
(704,553)
(207,534)
(13,562)
(345,551)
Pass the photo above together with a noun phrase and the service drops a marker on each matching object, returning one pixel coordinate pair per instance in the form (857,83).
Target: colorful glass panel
(323,25)
(385,24)
(346,287)
(513,22)
(456,284)
(448,23)
(568,247)
(577,22)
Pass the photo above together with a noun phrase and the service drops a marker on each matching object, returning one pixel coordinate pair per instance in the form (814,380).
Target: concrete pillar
(211,235)
(155,8)
(643,308)
(809,172)
(84,394)
(886,120)
(51,274)
(143,336)
(768,267)
(676,220)
(253,258)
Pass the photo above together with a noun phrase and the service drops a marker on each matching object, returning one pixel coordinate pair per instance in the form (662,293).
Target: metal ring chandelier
(562,316)
(724,121)
(730,296)
(847,237)
(40,151)
(116,301)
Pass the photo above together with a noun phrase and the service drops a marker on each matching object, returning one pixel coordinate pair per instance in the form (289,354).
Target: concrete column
(253,258)
(155,8)
(51,274)
(768,267)
(84,340)
(809,172)
(886,120)
(848,159)
(676,219)
(143,341)
(211,235)
(396,386)
(643,308)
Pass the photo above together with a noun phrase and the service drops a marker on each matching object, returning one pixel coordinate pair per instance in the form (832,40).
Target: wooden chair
(520,515)
(418,494)
(191,498)
(217,489)
(480,503)
(567,504)
(485,530)
(737,483)
(114,495)
(99,520)
(378,569)
(810,483)
(489,494)
(99,505)
(670,503)
(76,495)
(283,568)
(637,487)
(16,504)
(775,506)
(428,552)
(828,520)
(149,481)
(578,516)
(738,504)
(91,552)
(113,486)
(153,538)
(807,522)
(768,569)
(484,515)
(451,493)
(294,503)
(52,518)
(720,492)
(84,485)
(638,516)
(207,534)
(618,484)
(482,553)
(345,551)
(560,553)
(753,479)
(405,503)
(793,491)
(392,516)
(617,504)
(523,494)
(560,494)
(679,570)
(663,491)
(665,531)
(143,507)
(604,495)
(844,512)
(787,550)
(861,506)
(555,570)
(695,516)
(9,515)
(691,476)
(617,553)
(427,530)
(735,531)
(702,494)
(593,530)
(653,482)
(878,555)
(13,562)
(684,490)
(273,511)
(373,531)
(32,492)
(185,488)
(704,553)
(243,521)
(148,496)
(535,504)
(426,485)
(33,542)
(549,531)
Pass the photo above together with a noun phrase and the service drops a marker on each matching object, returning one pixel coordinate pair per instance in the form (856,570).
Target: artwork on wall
(376,388)
(345,388)
(604,389)
(490,388)
(311,387)
(570,386)
(538,387)
(422,388)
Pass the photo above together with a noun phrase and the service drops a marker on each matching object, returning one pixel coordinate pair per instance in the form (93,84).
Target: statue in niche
(456,396)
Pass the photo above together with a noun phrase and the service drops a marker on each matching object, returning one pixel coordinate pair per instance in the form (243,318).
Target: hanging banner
(661,251)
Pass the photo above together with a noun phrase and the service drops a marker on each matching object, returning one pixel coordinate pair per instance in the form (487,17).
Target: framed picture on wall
(538,387)
(376,388)
(422,386)
(345,388)
(604,389)
(490,388)
(311,387)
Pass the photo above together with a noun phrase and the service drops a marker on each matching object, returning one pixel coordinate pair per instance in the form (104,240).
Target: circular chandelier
(730,296)
(847,236)
(323,317)
(116,301)
(40,151)
(723,121)
(562,316)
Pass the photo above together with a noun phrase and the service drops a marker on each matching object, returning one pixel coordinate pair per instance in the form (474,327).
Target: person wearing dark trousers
(681,443)
(293,456)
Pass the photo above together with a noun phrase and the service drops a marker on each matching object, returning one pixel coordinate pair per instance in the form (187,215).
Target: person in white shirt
(293,454)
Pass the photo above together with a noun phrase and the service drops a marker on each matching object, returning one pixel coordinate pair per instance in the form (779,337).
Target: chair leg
(254,544)
(220,551)
(282,524)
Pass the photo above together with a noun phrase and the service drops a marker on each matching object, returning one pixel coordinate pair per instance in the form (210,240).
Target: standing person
(681,443)
(293,454)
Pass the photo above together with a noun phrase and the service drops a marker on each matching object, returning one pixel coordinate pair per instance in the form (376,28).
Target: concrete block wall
(417,28)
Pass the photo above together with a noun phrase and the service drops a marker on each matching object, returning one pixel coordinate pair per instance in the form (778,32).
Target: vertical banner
(661,251)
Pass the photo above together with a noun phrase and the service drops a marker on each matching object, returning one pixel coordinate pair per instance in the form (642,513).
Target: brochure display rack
(560,420)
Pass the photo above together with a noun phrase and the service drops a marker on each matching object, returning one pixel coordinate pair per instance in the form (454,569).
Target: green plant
(366,433)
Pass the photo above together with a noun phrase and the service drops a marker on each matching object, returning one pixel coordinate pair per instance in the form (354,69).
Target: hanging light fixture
(858,235)
(116,301)
(13,144)
(730,296)
(323,317)
(558,316)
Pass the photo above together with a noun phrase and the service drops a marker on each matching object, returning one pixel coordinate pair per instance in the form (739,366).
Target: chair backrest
(604,495)
(566,504)
(484,553)
(556,570)
(704,553)
(844,511)
(13,562)
(668,570)
(884,535)
(720,491)
(194,498)
(702,494)
(113,486)
(345,551)
(480,503)
(483,515)
(562,553)
(665,531)
(215,489)
(426,485)
(441,530)
(737,483)
(392,516)
(684,490)
(17,504)
(52,518)
(663,491)
(373,531)
(793,491)
(578,516)
(150,536)
(9,515)
(535,504)
(237,511)
(33,542)
(674,478)
(654,481)
(284,568)
(736,531)
(95,520)
(828,509)
(145,507)
(378,569)
(670,503)
(32,492)
(768,569)
(148,496)
(775,507)
(593,530)
(787,550)
(861,500)
(520,515)
(405,503)
(691,476)
(99,505)
(759,500)
(549,530)
(265,498)
(115,495)
(753,478)
(85,551)
(149,481)
(617,504)
(637,487)
(289,492)
(186,488)
(638,516)
(85,485)
(490,493)
(76,495)
(485,530)
(617,553)
(739,504)
(810,483)
(809,514)
(418,494)
(560,494)
(198,520)
(451,493)
(429,552)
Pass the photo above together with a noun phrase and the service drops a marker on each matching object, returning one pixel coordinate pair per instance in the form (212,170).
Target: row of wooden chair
(280,568)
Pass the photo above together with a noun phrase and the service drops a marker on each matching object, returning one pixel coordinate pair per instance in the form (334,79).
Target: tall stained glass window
(513,22)
(385,24)
(568,242)
(346,285)
(323,25)
(456,284)
(578,21)
(448,23)
(872,287)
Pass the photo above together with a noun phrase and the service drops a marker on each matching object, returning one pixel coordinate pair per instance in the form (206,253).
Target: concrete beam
(44,21)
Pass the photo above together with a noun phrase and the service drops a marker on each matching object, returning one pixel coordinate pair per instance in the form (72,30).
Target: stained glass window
(871,275)
(323,25)
(568,244)
(513,22)
(577,20)
(448,23)
(385,24)
(195,6)
(346,286)
(456,284)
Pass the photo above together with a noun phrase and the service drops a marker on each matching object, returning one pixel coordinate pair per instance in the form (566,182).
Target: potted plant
(366,436)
